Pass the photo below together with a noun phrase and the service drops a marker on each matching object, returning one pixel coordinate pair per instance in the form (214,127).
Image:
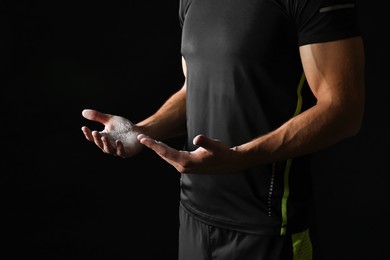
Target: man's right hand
(119,136)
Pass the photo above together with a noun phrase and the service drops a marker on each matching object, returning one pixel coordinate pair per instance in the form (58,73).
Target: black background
(62,198)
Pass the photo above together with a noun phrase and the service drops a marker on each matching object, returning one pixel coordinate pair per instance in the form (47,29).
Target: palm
(119,135)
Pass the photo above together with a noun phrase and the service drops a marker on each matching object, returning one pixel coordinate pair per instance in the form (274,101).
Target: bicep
(335,71)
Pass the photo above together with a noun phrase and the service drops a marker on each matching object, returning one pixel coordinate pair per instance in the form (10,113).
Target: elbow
(351,111)
(354,123)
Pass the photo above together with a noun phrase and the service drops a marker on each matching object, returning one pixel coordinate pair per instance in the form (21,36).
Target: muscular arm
(170,119)
(335,73)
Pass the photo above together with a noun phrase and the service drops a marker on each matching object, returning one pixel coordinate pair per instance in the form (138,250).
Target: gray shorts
(199,241)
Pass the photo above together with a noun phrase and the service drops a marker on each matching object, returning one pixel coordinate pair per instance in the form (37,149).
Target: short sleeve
(324,20)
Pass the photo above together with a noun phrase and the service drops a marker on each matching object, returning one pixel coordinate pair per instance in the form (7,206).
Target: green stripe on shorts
(302,246)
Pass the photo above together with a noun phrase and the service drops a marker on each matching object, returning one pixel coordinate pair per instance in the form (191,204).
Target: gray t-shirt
(244,79)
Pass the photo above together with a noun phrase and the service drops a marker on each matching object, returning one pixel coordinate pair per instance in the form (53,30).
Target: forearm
(169,120)
(311,131)
(335,73)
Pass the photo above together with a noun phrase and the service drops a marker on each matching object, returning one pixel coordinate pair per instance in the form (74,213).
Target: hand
(212,156)
(119,136)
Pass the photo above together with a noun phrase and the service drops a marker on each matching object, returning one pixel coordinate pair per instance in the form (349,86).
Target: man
(267,83)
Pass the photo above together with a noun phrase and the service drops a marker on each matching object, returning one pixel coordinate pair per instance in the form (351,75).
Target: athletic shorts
(199,241)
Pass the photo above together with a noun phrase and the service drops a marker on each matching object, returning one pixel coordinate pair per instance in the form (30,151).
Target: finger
(87,133)
(204,142)
(160,148)
(97,138)
(95,115)
(120,149)
(107,146)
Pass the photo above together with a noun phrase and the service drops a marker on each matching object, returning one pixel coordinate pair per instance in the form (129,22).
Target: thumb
(95,115)
(204,142)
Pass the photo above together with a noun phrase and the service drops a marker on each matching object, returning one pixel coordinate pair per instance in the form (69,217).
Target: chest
(236,28)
